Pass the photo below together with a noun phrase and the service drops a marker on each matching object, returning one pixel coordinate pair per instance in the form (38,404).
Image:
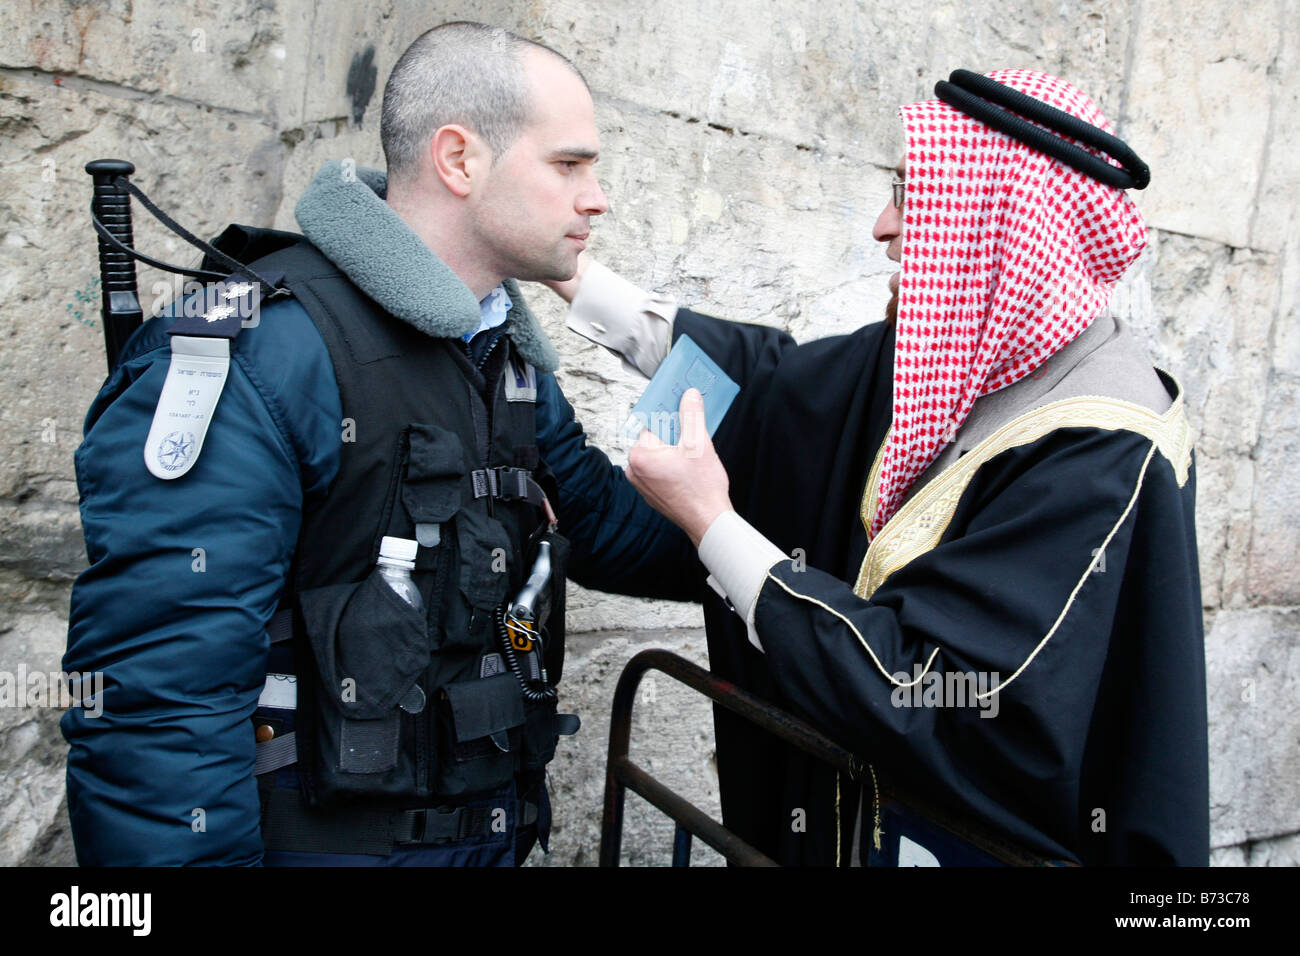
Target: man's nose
(592,201)
(888,223)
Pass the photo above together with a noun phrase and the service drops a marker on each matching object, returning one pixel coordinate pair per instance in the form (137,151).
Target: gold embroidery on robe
(919,524)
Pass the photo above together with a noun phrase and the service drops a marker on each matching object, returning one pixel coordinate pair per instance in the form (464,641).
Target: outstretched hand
(685,482)
(566,289)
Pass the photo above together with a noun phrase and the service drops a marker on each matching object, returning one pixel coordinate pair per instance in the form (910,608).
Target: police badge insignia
(175,450)
(195,378)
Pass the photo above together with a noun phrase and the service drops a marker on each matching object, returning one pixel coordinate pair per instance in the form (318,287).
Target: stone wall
(747,150)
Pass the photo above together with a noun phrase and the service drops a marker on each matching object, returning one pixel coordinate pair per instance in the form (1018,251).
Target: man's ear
(460,158)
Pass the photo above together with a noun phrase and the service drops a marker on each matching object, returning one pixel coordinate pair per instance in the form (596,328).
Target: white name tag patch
(521,381)
(195,378)
(280,691)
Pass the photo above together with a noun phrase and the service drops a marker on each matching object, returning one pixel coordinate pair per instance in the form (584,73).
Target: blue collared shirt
(492,311)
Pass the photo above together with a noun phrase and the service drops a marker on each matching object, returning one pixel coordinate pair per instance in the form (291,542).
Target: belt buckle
(412,827)
(506,483)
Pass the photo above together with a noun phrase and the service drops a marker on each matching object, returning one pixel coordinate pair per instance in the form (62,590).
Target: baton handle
(111,204)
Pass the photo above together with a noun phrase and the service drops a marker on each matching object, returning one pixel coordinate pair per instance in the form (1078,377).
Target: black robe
(1097,752)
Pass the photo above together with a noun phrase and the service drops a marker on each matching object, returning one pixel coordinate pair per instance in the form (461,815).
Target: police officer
(268,695)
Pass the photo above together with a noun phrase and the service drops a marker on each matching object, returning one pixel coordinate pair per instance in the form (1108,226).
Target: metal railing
(621,775)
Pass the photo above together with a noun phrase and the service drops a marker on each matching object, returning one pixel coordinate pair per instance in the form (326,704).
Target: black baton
(111,205)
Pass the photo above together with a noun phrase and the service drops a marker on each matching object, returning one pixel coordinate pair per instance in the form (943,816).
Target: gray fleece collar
(347,219)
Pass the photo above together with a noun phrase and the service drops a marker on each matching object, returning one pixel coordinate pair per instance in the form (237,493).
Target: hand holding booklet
(687,366)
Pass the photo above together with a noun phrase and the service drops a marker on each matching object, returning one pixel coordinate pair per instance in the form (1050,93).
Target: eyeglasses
(899,185)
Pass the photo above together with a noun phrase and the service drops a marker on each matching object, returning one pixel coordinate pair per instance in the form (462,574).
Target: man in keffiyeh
(960,541)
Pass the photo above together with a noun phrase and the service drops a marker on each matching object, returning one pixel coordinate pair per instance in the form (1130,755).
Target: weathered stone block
(1253,673)
(346,54)
(1273,219)
(32,751)
(1209,315)
(1286,331)
(229,55)
(1272,576)
(1282,851)
(319,143)
(771,71)
(1198,112)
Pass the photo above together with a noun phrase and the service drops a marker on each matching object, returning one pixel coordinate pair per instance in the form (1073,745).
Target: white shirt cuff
(738,558)
(634,324)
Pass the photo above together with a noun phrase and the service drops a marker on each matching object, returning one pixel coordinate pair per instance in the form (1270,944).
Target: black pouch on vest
(540,735)
(432,476)
(484,548)
(480,728)
(371,650)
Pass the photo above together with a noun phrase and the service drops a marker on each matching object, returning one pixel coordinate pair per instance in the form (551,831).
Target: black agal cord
(997,105)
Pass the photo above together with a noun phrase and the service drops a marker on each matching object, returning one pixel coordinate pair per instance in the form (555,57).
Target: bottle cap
(398,549)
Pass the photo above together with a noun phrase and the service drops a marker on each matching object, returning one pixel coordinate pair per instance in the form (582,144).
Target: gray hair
(464,73)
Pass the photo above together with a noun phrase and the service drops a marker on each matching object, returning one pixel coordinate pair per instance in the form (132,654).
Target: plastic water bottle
(396,559)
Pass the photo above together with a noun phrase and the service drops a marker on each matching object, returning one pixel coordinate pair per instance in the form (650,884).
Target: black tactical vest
(397,708)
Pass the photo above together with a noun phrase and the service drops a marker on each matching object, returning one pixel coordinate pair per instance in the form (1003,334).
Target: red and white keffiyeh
(1007,256)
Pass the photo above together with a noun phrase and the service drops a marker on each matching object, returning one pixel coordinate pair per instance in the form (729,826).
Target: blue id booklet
(687,366)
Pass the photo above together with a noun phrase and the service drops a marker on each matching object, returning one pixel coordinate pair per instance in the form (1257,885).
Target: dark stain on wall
(361,82)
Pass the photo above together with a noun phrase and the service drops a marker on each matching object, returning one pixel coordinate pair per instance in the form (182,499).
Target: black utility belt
(289,825)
